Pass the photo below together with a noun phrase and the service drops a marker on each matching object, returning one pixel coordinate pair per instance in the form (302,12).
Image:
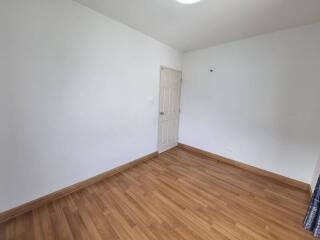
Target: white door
(169,109)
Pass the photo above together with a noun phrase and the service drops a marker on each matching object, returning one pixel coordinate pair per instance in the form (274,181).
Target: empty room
(159,119)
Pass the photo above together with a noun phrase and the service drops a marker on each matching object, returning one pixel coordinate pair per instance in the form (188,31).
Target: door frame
(159,96)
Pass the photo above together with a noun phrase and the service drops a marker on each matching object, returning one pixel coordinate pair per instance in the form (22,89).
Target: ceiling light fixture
(188,1)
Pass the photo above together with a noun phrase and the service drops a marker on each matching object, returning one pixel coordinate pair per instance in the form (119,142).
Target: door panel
(169,109)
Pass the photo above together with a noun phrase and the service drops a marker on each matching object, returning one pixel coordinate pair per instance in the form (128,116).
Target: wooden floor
(178,195)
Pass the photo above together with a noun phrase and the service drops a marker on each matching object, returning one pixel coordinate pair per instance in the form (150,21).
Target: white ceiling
(210,22)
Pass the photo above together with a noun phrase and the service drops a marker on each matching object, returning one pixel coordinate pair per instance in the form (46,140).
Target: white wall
(83,96)
(316,175)
(6,133)
(261,105)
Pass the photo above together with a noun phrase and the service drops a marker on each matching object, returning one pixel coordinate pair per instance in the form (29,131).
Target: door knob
(161,113)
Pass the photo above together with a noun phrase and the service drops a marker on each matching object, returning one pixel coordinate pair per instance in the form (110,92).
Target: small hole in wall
(210,70)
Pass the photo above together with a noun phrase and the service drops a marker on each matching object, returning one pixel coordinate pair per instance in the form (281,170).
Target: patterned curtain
(312,220)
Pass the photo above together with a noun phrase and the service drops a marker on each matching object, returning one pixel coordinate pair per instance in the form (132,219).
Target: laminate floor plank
(178,195)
